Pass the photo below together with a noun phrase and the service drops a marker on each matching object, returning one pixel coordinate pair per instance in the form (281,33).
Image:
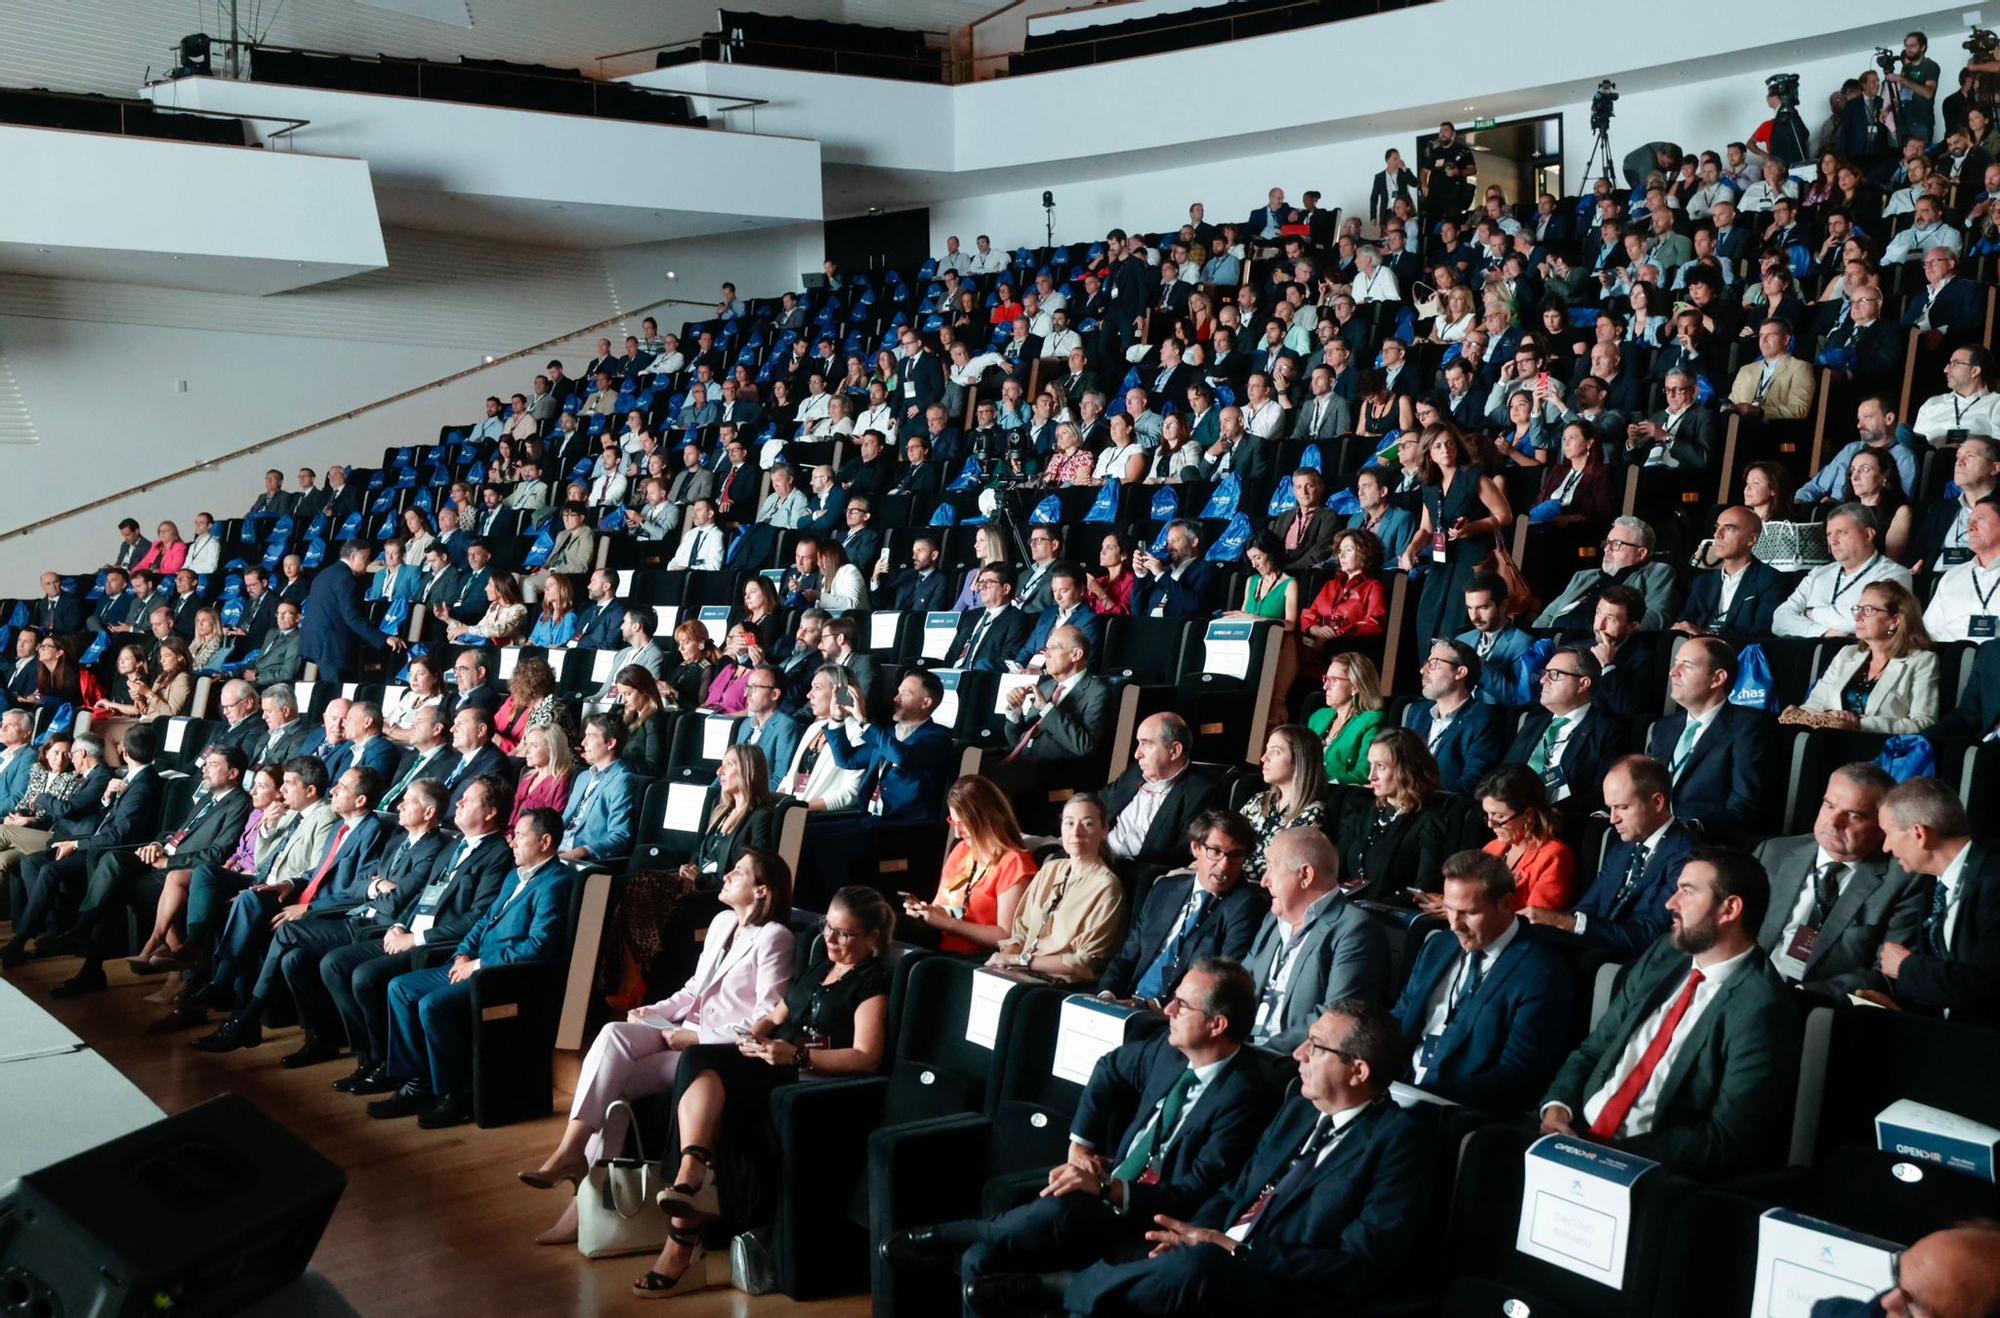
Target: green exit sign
(1483,123)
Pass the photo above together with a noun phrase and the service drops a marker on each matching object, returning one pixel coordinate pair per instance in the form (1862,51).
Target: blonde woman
(1294,795)
(1069,918)
(550,769)
(209,644)
(1458,316)
(1349,721)
(1887,681)
(983,877)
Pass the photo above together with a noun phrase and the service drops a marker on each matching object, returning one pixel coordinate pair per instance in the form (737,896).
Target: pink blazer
(164,562)
(737,989)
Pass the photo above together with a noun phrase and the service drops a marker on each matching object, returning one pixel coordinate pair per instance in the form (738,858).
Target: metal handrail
(944,65)
(297,432)
(41,93)
(1260,17)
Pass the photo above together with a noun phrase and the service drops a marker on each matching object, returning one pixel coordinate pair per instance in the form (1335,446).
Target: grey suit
(1341,952)
(280,660)
(1878,903)
(1336,419)
(646,656)
(1654,580)
(1074,728)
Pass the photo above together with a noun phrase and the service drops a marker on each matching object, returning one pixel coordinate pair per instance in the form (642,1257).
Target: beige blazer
(1904,701)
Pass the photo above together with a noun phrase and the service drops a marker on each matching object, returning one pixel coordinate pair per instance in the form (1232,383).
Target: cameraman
(1915,88)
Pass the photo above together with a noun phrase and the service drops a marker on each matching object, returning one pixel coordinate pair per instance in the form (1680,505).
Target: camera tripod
(1600,152)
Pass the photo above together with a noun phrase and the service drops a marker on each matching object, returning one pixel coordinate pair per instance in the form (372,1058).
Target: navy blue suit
(1189,597)
(1628,924)
(1342,1230)
(1507,1040)
(1588,753)
(1721,786)
(380,754)
(911,773)
(597,626)
(1084,619)
(241,963)
(1958,312)
(334,624)
(1750,613)
(1228,926)
(1471,744)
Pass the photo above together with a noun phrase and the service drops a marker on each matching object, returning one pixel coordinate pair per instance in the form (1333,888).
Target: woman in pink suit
(744,973)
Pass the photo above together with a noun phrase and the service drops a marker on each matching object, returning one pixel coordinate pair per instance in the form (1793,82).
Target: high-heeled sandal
(141,963)
(571,1173)
(694,1277)
(700,1202)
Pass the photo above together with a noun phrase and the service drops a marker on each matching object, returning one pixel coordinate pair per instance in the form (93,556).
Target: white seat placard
(1226,650)
(1086,1030)
(1576,1207)
(939,629)
(982,1013)
(1802,1260)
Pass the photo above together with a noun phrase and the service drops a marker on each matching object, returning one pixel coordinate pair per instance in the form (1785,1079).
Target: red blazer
(1354,606)
(1592,499)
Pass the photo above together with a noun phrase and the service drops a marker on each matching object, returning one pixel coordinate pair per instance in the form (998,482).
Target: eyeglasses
(1498,822)
(1622,544)
(760,686)
(1319,1047)
(1870,610)
(1435,662)
(1550,673)
(1221,853)
(1177,1004)
(836,935)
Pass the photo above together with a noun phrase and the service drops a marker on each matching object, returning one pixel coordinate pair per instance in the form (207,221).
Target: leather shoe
(377,1081)
(411,1099)
(88,980)
(232,1034)
(1015,1294)
(312,1053)
(451,1110)
(923,1244)
(66,943)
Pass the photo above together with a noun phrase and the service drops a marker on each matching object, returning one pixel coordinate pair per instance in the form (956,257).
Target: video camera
(1982,44)
(1784,86)
(1600,105)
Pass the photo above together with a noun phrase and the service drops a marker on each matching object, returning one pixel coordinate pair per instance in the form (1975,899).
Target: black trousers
(1057,1234)
(302,942)
(1200,1279)
(355,980)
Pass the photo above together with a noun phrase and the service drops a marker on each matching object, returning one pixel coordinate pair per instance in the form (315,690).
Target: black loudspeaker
(194,53)
(202,1213)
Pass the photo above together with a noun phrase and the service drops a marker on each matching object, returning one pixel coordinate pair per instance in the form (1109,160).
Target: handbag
(615,1213)
(751,1269)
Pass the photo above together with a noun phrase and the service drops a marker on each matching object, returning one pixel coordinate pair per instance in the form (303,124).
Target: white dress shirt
(204,555)
(1448,990)
(1943,413)
(1128,831)
(1964,592)
(1639,1120)
(1824,602)
(700,549)
(1802,912)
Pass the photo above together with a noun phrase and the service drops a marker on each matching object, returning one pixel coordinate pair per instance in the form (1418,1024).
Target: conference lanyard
(1841,581)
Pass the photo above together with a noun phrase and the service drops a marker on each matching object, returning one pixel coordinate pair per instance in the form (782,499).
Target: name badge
(421,924)
(1553,779)
(1954,556)
(1980,627)
(1801,946)
(909,388)
(1438,547)
(1160,607)
(1428,1061)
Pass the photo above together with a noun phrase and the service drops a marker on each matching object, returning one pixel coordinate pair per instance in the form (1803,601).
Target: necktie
(1934,923)
(1154,982)
(1468,983)
(1034,729)
(972,642)
(1826,891)
(325,867)
(1627,1094)
(1684,747)
(180,834)
(1546,747)
(395,794)
(1138,1161)
(1301,1166)
(1633,873)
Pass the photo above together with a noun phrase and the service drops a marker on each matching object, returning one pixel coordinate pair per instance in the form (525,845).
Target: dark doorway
(1523,156)
(872,242)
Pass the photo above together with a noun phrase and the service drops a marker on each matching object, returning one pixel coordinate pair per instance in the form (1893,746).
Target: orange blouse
(1546,876)
(980,903)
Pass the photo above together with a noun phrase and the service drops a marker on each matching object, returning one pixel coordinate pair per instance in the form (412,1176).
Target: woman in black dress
(1462,512)
(1394,837)
(833,1022)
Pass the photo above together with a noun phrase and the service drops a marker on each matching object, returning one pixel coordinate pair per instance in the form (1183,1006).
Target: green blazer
(1727,1105)
(1347,754)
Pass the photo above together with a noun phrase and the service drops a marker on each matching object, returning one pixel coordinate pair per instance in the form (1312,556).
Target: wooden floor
(433,1222)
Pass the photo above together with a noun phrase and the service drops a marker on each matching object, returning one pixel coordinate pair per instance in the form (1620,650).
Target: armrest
(495,985)
(1011,1191)
(903,1190)
(828,1105)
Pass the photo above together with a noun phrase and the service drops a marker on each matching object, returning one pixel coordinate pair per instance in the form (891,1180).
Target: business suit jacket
(600,821)
(1409,852)
(404,863)
(1076,727)
(469,889)
(1496,668)
(1343,1230)
(1343,953)
(1966,979)
(1189,597)
(1507,1040)
(463,773)
(1003,637)
(1627,926)
(535,927)
(14,778)
(1790,394)
(738,986)
(1694,439)
(1958,311)
(1878,903)
(1084,619)
(1904,701)
(597,626)
(1721,787)
(1210,1141)
(63,616)
(911,592)
(468,601)
(778,738)
(1750,613)
(911,772)
(76,817)
(1654,580)
(1978,707)
(347,882)
(1727,1103)
(134,817)
(1228,928)
(277,747)
(1470,745)
(1316,548)
(1166,841)
(1592,747)
(280,658)
(1336,419)
(334,625)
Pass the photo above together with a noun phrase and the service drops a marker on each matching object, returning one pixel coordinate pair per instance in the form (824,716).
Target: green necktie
(1539,761)
(1140,1157)
(1684,747)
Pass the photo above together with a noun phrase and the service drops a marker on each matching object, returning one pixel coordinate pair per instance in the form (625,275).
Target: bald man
(1954,1273)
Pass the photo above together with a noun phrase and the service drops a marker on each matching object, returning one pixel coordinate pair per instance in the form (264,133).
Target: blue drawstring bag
(1344,502)
(545,544)
(1310,460)
(1545,511)
(396,618)
(1047,513)
(1283,500)
(60,725)
(19,618)
(1159,546)
(1229,546)
(1222,503)
(1754,687)
(1523,686)
(946,515)
(232,611)
(1907,757)
(1104,508)
(1166,503)
(94,651)
(967,479)
(613,520)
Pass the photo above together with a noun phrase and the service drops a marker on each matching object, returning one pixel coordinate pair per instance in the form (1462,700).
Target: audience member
(1315,947)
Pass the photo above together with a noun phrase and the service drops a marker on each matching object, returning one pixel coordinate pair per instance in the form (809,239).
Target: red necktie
(1028,737)
(1614,1113)
(325,867)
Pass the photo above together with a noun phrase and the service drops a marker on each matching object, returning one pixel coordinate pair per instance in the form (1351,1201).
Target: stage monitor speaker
(202,1213)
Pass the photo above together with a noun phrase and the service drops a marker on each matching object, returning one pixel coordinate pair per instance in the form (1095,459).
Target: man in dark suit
(1178,586)
(1712,1093)
(472,738)
(431,1011)
(1464,733)
(1952,966)
(260,608)
(351,996)
(1068,606)
(473,669)
(922,587)
(1835,898)
(57,611)
(1064,716)
(1626,907)
(53,879)
(1953,1273)
(468,601)
(242,726)
(284,731)
(1161,1125)
(1316,947)
(1877,347)
(187,603)
(1307,531)
(1155,801)
(909,763)
(1949,310)
(274,501)
(1486,1011)
(443,581)
(921,383)
(429,755)
(1720,755)
(1754,587)
(1203,912)
(1681,436)
(1571,756)
(1312,1212)
(1168,381)
(132,878)
(988,635)
(334,624)
(1978,710)
(601,615)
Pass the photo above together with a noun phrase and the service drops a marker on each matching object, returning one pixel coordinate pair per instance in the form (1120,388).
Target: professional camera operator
(1788,137)
(1913,80)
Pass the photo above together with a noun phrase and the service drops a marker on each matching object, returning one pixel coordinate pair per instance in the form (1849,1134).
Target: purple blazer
(739,988)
